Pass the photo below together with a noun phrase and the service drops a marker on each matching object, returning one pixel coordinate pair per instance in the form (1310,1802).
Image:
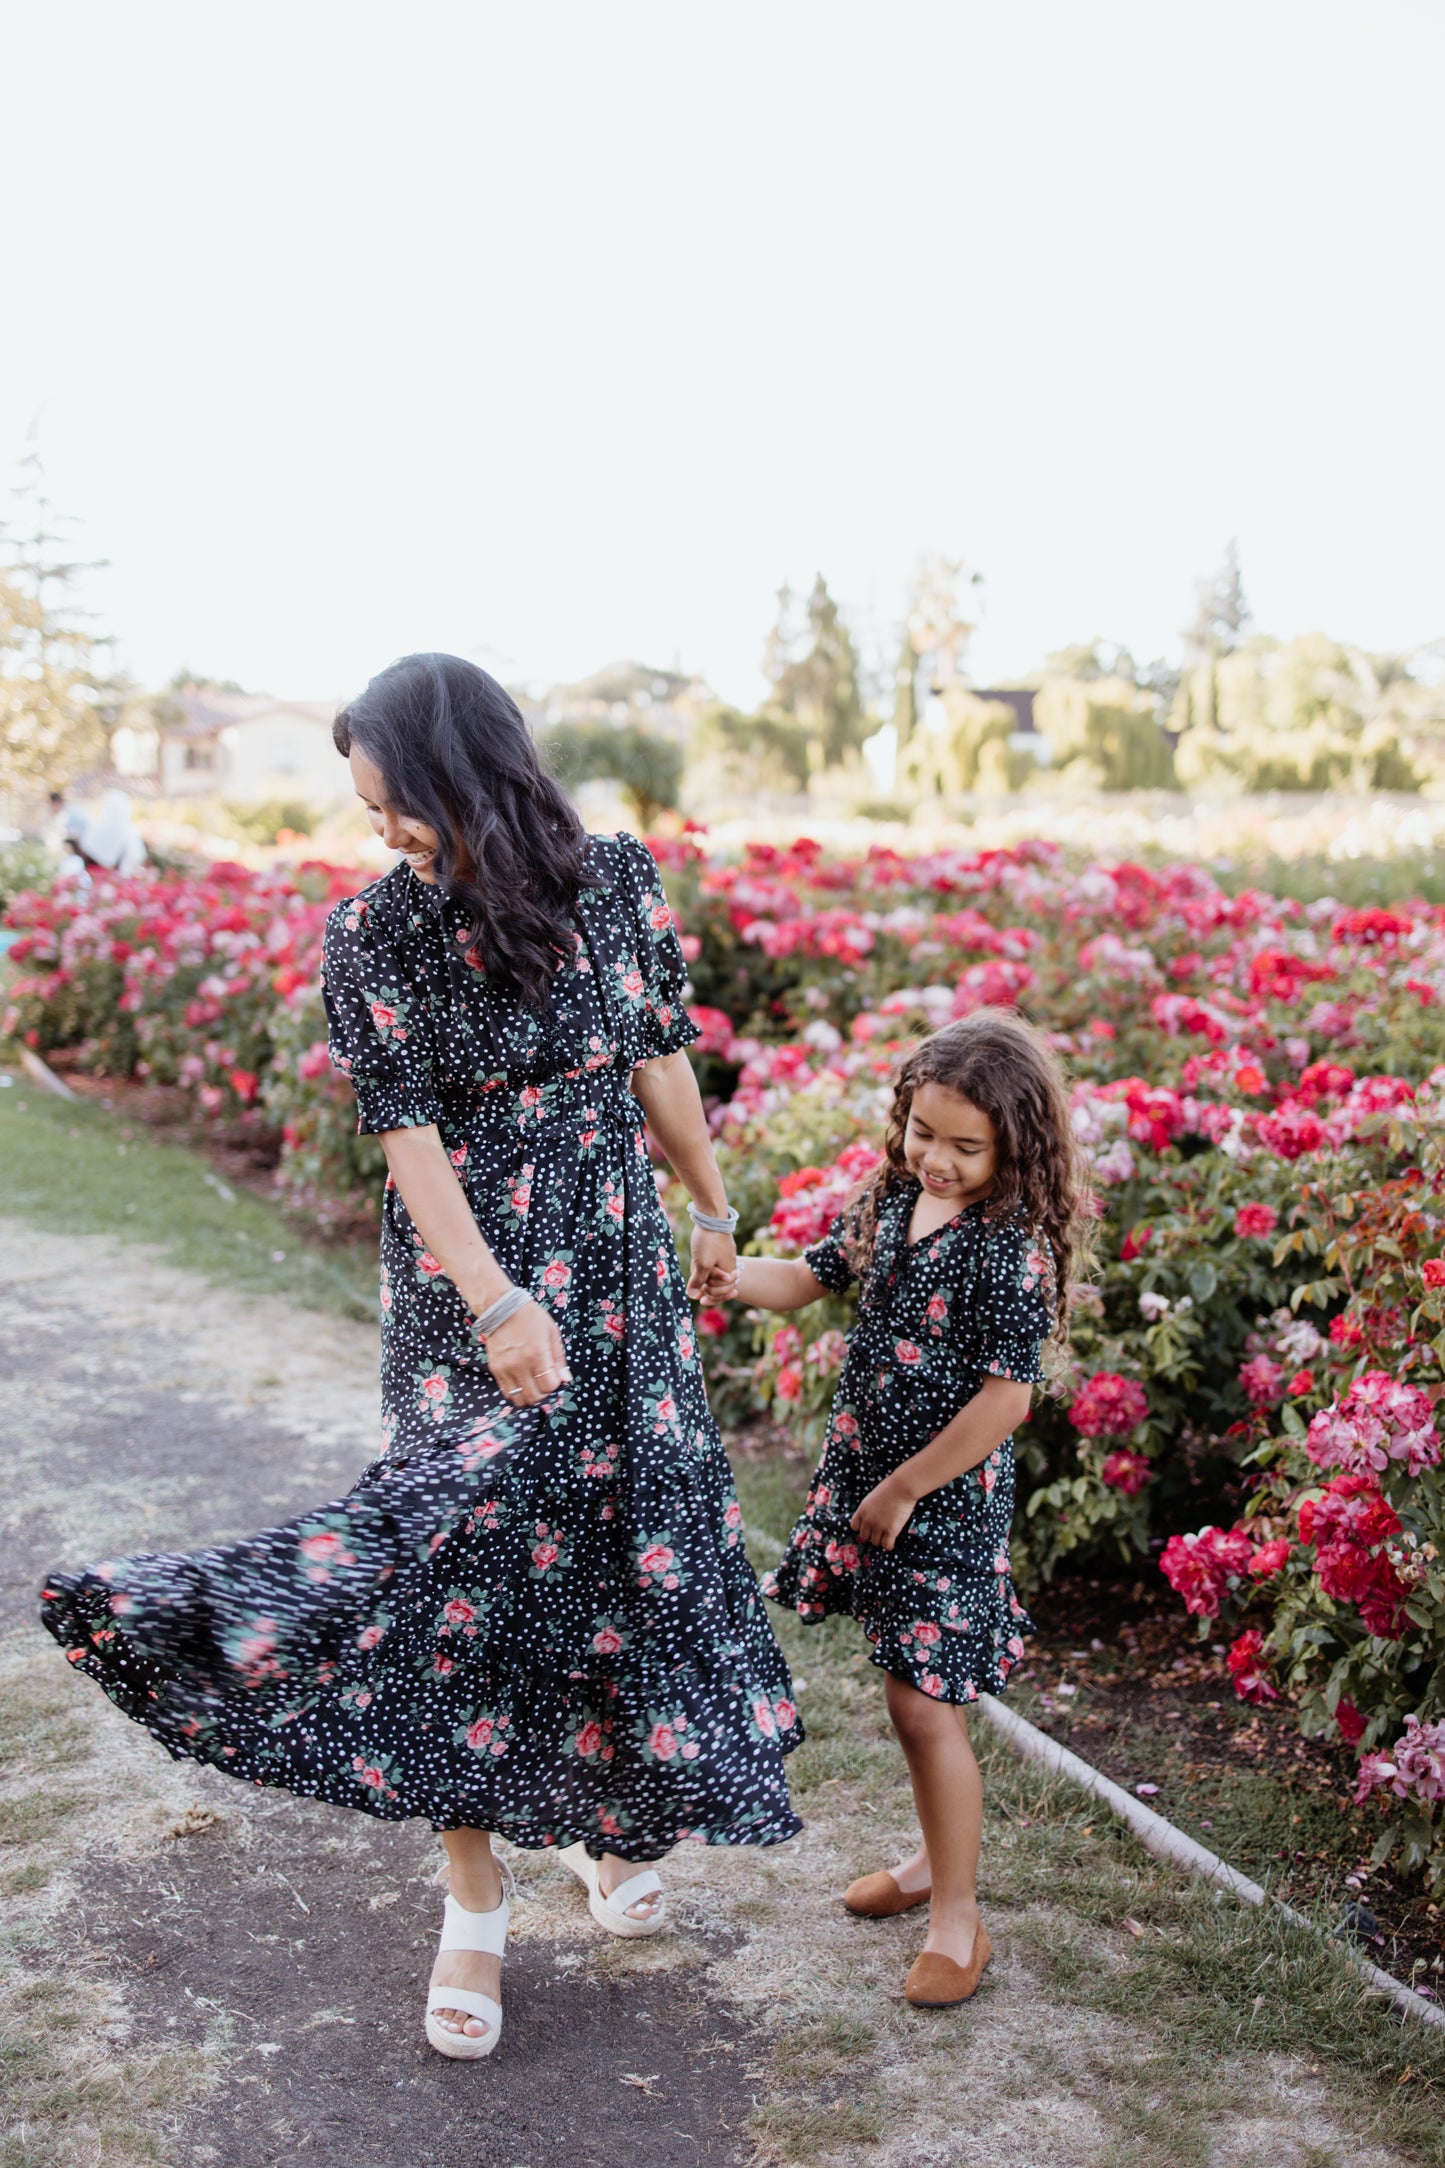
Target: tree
(745,753)
(647,767)
(1221,612)
(1220,617)
(56,703)
(818,687)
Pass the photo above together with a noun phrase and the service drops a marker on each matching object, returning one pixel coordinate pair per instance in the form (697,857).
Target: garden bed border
(1164,1841)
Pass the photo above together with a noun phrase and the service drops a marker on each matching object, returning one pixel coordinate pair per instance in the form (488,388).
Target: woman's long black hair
(453,751)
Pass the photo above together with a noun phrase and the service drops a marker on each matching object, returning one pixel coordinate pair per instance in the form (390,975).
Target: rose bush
(1254,1372)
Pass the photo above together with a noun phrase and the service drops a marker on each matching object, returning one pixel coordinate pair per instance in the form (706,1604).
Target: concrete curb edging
(1170,1844)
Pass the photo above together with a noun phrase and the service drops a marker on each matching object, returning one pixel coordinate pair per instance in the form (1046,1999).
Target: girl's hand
(714,1270)
(526,1357)
(884,1514)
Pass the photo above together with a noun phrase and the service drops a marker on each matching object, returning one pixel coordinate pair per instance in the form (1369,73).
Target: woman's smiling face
(398,831)
(950,1145)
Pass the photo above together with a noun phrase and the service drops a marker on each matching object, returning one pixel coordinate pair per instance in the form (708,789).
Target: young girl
(959,1242)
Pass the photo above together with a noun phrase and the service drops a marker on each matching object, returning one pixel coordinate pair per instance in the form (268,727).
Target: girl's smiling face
(398,831)
(950,1145)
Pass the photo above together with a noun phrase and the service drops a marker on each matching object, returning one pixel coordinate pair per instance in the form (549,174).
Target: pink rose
(656,1558)
(458,1612)
(764,1719)
(480,1734)
(906,1352)
(544,1555)
(607,1641)
(662,1741)
(589,1738)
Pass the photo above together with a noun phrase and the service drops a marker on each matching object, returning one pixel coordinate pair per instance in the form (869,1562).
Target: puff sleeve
(652,973)
(828,1260)
(378,1023)
(1012,1313)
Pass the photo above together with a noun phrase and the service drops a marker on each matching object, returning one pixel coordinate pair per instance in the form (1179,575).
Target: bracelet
(499,1311)
(714,1224)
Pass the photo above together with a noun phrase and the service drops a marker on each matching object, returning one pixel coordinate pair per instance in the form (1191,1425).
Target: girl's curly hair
(1001,1063)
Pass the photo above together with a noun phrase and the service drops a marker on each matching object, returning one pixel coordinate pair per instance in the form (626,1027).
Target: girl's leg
(948,1793)
(475,1880)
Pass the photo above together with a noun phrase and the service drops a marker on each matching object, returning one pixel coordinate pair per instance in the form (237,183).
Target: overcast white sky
(554,333)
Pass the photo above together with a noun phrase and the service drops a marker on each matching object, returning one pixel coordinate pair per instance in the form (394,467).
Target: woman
(533,1615)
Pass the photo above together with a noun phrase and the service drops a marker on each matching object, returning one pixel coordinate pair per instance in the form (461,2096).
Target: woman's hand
(884,1514)
(526,1357)
(714,1271)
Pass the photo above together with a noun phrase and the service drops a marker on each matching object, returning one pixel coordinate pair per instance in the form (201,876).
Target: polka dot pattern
(538,1622)
(939,1316)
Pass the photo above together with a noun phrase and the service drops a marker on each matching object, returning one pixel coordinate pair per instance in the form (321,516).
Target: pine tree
(1221,612)
(818,688)
(56,703)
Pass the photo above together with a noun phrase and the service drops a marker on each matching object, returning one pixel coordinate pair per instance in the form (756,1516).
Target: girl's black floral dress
(538,1622)
(968,1302)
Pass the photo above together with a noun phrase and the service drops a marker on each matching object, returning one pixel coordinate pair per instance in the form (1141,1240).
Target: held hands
(526,1357)
(884,1513)
(714,1273)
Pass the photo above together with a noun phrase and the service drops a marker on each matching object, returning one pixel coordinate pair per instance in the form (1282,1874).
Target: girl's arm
(994,1413)
(525,1353)
(776,1283)
(666,1090)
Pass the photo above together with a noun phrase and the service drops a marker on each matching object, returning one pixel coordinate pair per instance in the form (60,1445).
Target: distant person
(960,1243)
(534,1614)
(103,842)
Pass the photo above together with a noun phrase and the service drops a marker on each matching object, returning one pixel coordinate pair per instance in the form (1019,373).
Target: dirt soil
(1119,1675)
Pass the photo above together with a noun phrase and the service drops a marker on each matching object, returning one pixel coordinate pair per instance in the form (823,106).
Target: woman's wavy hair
(1003,1065)
(453,751)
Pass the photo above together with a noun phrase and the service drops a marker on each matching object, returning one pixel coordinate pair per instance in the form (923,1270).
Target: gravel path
(141,1410)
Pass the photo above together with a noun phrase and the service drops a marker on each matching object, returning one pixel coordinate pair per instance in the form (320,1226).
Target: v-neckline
(943,1226)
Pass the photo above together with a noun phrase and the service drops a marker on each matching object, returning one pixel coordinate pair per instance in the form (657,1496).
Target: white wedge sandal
(610,1911)
(463,1930)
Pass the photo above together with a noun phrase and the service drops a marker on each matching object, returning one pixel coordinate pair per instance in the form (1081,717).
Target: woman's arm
(666,1090)
(525,1353)
(994,1413)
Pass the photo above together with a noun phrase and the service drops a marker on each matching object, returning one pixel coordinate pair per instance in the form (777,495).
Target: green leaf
(1203,1279)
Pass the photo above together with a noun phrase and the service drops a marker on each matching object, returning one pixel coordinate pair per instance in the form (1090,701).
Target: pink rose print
(907,1353)
(662,1741)
(589,1738)
(607,1642)
(655,1559)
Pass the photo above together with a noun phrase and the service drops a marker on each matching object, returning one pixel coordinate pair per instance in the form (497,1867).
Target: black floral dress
(970,1301)
(539,1622)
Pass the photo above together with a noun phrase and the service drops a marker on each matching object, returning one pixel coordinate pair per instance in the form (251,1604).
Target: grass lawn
(1152,2010)
(74,1169)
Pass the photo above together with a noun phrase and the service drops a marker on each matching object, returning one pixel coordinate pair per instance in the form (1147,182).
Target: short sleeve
(378,1026)
(1013,1308)
(653,973)
(828,1260)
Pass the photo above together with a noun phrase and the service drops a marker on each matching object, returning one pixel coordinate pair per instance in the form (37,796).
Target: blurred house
(247,748)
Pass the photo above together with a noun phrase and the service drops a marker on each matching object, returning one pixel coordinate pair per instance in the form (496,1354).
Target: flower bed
(1252,1385)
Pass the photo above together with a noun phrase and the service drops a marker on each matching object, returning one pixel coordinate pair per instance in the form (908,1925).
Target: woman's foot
(477,1891)
(613,1872)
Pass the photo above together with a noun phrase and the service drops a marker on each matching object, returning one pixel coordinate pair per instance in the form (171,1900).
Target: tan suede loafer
(937,1983)
(878,1897)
